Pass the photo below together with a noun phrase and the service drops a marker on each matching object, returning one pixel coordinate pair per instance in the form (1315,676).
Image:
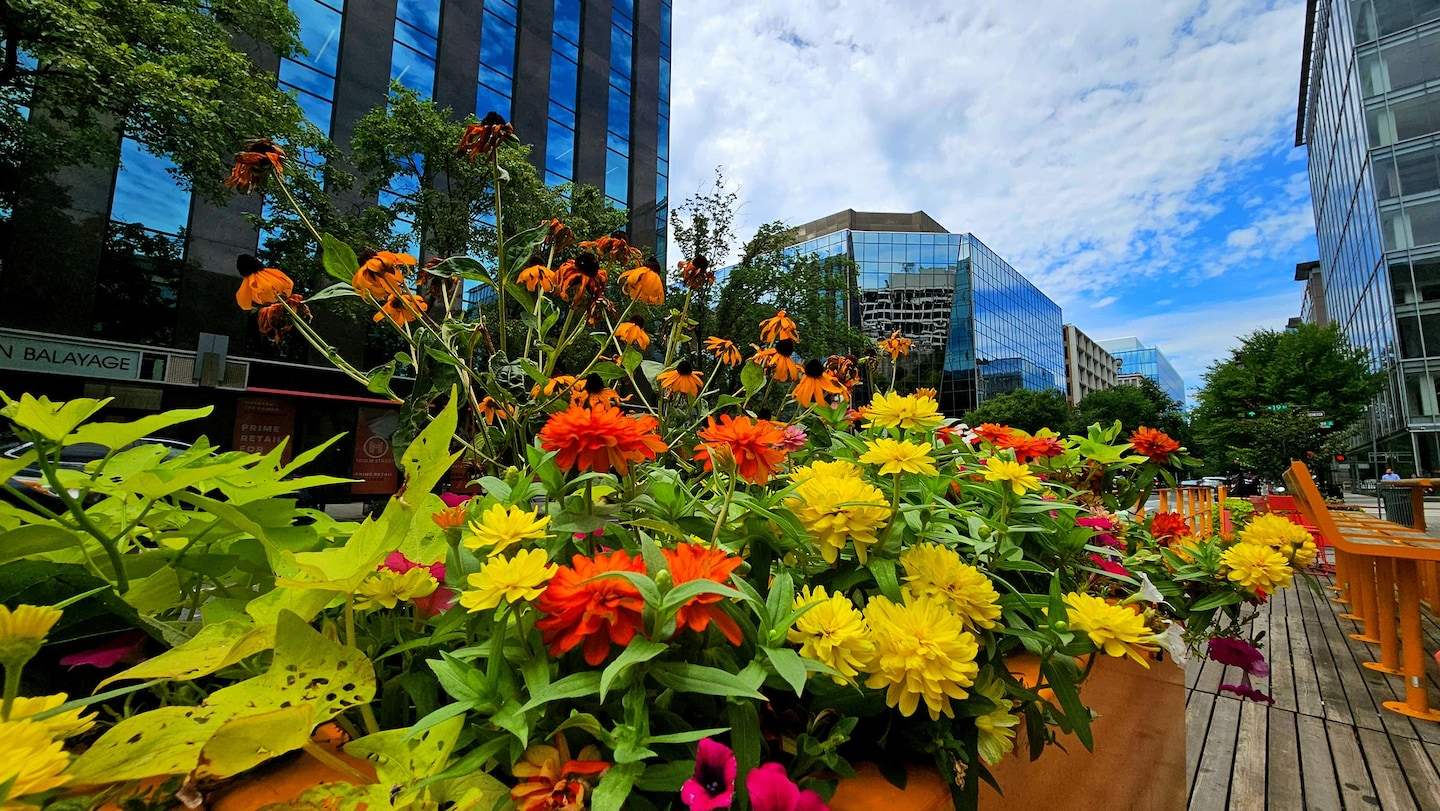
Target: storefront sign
(374,461)
(60,357)
(262,423)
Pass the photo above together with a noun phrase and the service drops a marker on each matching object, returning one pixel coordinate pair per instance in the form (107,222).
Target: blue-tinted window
(423,14)
(665,80)
(317,110)
(563,81)
(662,145)
(505,9)
(622,47)
(560,150)
(319,33)
(413,69)
(617,177)
(619,117)
(496,80)
(625,7)
(567,19)
(146,193)
(562,115)
(497,45)
(487,100)
(301,77)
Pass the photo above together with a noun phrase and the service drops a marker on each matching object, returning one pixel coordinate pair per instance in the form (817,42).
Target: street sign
(1316,414)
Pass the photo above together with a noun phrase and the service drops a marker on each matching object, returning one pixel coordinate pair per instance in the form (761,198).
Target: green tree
(1134,406)
(1257,404)
(1024,409)
(704,225)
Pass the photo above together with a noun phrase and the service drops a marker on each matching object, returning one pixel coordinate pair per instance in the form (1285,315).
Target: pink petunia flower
(441,599)
(125,648)
(713,785)
(771,790)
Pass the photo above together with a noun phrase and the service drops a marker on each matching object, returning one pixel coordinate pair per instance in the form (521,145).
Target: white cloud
(1087,143)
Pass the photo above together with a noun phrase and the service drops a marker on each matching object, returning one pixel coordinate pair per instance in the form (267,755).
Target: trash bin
(1397,505)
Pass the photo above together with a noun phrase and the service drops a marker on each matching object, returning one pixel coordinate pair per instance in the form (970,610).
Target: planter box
(1138,762)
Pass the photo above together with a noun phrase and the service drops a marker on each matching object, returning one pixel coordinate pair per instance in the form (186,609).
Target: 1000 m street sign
(59,357)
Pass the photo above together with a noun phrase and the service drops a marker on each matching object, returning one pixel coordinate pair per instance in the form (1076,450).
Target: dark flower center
(653,264)
(587,264)
(764,413)
(248,265)
(785,346)
(700,262)
(593,384)
(685,369)
(814,368)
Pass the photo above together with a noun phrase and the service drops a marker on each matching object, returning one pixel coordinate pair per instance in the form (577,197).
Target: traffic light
(1340,457)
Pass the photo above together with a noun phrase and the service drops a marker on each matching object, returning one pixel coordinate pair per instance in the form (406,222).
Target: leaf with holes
(215,647)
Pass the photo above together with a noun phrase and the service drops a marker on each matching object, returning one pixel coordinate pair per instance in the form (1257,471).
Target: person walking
(1390,475)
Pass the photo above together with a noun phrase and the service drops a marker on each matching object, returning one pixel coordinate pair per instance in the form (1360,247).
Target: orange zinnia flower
(485,137)
(551,781)
(991,432)
(259,285)
(537,276)
(632,332)
(749,441)
(1153,443)
(380,274)
(580,606)
(643,283)
(683,379)
(778,328)
(600,438)
(1036,447)
(896,345)
(693,562)
(402,308)
(816,385)
(257,157)
(450,517)
(1169,528)
(724,349)
(696,274)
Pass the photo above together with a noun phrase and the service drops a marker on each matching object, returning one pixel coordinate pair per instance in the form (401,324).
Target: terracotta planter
(1138,762)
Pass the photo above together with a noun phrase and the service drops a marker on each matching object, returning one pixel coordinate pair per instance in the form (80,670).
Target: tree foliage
(1134,406)
(1255,405)
(1024,409)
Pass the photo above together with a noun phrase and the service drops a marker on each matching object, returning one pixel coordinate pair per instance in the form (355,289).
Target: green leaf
(745,743)
(687,678)
(339,290)
(630,359)
(242,743)
(116,435)
(575,685)
(1216,600)
(214,648)
(36,539)
(1060,675)
(885,577)
(401,758)
(639,650)
(687,736)
(752,377)
(340,261)
(685,592)
(789,665)
(615,786)
(378,379)
(49,419)
(428,457)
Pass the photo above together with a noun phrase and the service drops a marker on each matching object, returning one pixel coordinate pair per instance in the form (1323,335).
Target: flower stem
(724,511)
(12,689)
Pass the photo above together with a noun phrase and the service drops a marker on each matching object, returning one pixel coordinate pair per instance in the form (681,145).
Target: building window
(312,76)
(417,32)
(564,85)
(497,59)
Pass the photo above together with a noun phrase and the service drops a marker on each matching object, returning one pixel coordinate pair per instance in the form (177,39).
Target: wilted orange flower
(695,273)
(255,159)
(1169,528)
(450,517)
(274,320)
(690,561)
(683,379)
(896,345)
(991,432)
(600,438)
(816,385)
(537,276)
(402,308)
(778,328)
(558,236)
(843,369)
(750,442)
(581,277)
(614,248)
(259,285)
(643,283)
(777,359)
(631,332)
(925,392)
(485,137)
(724,350)
(551,781)
(380,273)
(1153,443)
(581,607)
(492,410)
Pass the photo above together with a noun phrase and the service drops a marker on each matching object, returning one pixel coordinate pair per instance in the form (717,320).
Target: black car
(31,480)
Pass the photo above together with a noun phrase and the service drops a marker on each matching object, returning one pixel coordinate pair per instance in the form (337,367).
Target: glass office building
(1138,360)
(979,327)
(1369,116)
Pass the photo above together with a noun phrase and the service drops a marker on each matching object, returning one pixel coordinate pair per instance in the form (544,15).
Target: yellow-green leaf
(402,761)
(49,419)
(215,647)
(245,742)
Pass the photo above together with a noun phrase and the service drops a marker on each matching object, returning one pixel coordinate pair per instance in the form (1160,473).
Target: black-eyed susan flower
(593,391)
(255,160)
(778,328)
(493,410)
(633,333)
(816,385)
(724,350)
(896,345)
(549,388)
(381,273)
(643,283)
(537,276)
(274,320)
(402,308)
(580,278)
(486,136)
(259,285)
(696,274)
(683,379)
(778,360)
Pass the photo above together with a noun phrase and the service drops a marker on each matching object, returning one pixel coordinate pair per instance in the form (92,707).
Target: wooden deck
(1325,743)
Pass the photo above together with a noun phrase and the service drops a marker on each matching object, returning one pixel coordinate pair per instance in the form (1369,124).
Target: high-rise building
(1088,367)
(586,82)
(1140,361)
(1369,117)
(979,327)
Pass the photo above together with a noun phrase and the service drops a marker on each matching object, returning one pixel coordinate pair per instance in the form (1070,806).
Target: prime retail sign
(61,357)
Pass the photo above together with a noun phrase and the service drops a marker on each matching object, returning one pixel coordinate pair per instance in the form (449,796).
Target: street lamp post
(1374,453)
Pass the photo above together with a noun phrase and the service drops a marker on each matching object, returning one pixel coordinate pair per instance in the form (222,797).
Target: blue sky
(1133,158)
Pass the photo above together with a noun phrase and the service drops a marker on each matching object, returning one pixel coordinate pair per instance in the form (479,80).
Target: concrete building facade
(1088,367)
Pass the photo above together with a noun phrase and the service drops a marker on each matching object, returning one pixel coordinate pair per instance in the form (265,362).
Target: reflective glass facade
(979,327)
(312,75)
(496,88)
(417,44)
(1147,361)
(1370,119)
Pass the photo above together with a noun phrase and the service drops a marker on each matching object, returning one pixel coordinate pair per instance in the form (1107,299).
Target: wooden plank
(1317,768)
(1209,680)
(1211,790)
(1247,779)
(1283,786)
(1390,785)
(1197,725)
(1356,790)
(1419,771)
(1318,629)
(1192,670)
(1282,677)
(1302,664)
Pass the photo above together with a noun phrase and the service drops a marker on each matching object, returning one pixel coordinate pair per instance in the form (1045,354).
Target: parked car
(31,480)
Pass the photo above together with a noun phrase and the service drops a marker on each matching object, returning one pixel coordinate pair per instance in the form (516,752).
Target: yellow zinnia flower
(388,588)
(832,632)
(997,727)
(1277,532)
(1116,630)
(1018,475)
(64,725)
(906,411)
(839,467)
(834,508)
(922,651)
(31,762)
(512,580)
(934,571)
(894,456)
(1254,567)
(23,630)
(501,527)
